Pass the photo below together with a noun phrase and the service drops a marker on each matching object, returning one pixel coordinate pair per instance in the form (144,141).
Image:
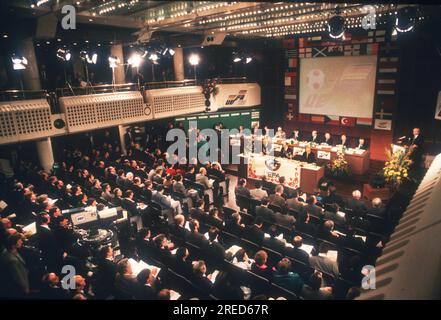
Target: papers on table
(52,201)
(340,233)
(266,235)
(333,255)
(214,275)
(211,181)
(137,267)
(360,237)
(174,295)
(233,249)
(280,237)
(307,248)
(187,225)
(174,251)
(341,214)
(30,229)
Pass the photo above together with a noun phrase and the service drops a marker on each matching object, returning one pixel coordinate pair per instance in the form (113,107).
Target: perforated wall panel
(104,110)
(24,120)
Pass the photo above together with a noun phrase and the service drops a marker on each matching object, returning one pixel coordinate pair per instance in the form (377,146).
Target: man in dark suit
(296,135)
(333,197)
(194,236)
(277,198)
(234,224)
(323,263)
(314,137)
(357,205)
(312,208)
(214,248)
(285,220)
(297,253)
(264,212)
(328,139)
(14,273)
(241,188)
(131,206)
(294,204)
(287,190)
(178,227)
(52,252)
(107,269)
(377,208)
(129,138)
(416,144)
(190,174)
(255,232)
(145,281)
(125,283)
(362,144)
(308,156)
(343,141)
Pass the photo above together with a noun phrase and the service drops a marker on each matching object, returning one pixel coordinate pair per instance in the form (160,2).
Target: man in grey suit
(178,186)
(258,193)
(14,275)
(284,219)
(264,212)
(294,204)
(323,263)
(202,178)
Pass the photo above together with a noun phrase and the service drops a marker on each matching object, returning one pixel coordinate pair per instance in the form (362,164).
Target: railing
(104,88)
(189,82)
(14,95)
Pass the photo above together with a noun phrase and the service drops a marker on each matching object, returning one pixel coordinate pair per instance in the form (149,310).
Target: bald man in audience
(356,204)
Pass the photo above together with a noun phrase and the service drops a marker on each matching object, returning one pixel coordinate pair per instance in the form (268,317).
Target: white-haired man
(356,204)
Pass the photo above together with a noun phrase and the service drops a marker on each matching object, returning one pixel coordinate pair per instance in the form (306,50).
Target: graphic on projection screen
(341,86)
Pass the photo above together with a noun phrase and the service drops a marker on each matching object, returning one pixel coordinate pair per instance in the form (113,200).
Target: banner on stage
(323,155)
(273,169)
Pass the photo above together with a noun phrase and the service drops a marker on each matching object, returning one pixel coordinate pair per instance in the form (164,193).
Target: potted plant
(396,169)
(339,167)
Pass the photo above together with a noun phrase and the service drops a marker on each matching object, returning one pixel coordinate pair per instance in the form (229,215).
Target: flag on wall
(347,122)
(364,122)
(304,117)
(317,119)
(332,120)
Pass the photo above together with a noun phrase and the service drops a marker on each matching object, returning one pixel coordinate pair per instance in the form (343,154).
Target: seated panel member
(314,137)
(362,144)
(308,155)
(280,134)
(328,139)
(286,151)
(295,134)
(343,141)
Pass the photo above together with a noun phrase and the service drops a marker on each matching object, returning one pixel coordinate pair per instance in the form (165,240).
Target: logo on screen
(273,164)
(315,79)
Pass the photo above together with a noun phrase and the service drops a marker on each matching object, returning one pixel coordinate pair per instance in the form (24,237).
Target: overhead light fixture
(89,59)
(135,60)
(194,59)
(154,58)
(171,52)
(114,61)
(336,27)
(405,20)
(19,62)
(64,54)
(248,60)
(237,59)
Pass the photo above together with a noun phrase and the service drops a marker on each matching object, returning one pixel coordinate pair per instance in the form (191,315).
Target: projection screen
(342,86)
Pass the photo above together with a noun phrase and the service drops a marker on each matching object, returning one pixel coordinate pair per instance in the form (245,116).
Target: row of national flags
(335,120)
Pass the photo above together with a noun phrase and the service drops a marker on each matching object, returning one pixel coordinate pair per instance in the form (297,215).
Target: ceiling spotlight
(406,18)
(248,60)
(135,60)
(64,54)
(85,57)
(336,27)
(114,62)
(194,59)
(171,52)
(154,58)
(237,59)
(19,62)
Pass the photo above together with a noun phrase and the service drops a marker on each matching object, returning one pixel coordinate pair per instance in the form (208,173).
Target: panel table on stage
(298,174)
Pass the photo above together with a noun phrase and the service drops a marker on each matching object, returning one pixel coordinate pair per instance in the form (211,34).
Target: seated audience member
(297,253)
(258,193)
(194,236)
(353,293)
(51,288)
(287,279)
(107,193)
(190,174)
(178,226)
(314,290)
(294,204)
(362,144)
(214,248)
(308,156)
(286,151)
(312,208)
(166,202)
(377,208)
(328,230)
(241,188)
(202,178)
(234,224)
(303,223)
(125,283)
(295,135)
(357,205)
(333,197)
(106,273)
(145,281)
(334,214)
(277,198)
(287,190)
(182,262)
(255,232)
(314,137)
(144,243)
(178,186)
(241,260)
(280,134)
(214,219)
(117,197)
(263,212)
(162,247)
(14,276)
(284,220)
(343,141)
(133,208)
(324,264)
(260,267)
(200,278)
(328,139)
(157,177)
(198,212)
(52,252)
(272,242)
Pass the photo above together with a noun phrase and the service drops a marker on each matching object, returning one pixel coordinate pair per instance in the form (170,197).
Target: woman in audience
(314,291)
(260,267)
(285,278)
(242,261)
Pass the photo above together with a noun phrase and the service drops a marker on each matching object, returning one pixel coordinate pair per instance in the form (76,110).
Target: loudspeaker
(213,39)
(47,26)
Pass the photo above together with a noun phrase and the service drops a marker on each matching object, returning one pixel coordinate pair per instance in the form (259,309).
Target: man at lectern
(416,143)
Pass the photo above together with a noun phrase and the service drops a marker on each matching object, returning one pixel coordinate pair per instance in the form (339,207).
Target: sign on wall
(273,168)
